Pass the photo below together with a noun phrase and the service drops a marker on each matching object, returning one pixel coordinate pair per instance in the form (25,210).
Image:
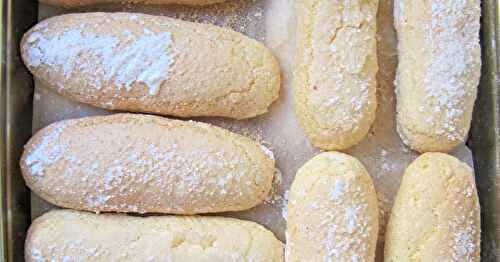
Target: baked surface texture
(335,73)
(436,214)
(332,211)
(78,3)
(438,71)
(66,235)
(146,164)
(153,64)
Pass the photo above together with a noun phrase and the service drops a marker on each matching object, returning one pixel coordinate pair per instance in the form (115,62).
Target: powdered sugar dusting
(348,232)
(166,166)
(268,152)
(351,214)
(464,245)
(339,190)
(284,207)
(126,62)
(463,228)
(339,222)
(47,152)
(67,250)
(450,60)
(36,255)
(332,69)
(453,37)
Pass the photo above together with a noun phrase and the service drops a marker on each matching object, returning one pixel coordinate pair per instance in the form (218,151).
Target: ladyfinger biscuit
(334,80)
(438,72)
(144,164)
(144,63)
(66,235)
(436,214)
(78,3)
(332,211)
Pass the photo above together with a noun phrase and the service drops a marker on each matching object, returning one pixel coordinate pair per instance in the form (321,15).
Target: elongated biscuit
(140,163)
(438,72)
(332,211)
(66,235)
(334,80)
(144,63)
(77,3)
(436,214)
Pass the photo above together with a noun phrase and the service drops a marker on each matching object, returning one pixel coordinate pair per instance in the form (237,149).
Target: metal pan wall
(15,126)
(16,87)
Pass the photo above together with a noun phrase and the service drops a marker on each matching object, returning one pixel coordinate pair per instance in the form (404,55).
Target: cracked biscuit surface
(65,235)
(335,73)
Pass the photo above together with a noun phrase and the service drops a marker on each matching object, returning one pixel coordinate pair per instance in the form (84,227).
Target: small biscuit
(154,64)
(66,235)
(436,215)
(141,163)
(332,211)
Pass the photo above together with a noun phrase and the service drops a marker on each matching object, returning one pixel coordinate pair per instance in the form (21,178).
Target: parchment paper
(272,22)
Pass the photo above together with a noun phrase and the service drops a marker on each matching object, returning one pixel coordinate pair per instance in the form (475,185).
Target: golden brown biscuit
(144,63)
(141,163)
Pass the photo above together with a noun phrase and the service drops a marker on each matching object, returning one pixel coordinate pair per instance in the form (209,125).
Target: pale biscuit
(78,3)
(438,72)
(332,211)
(335,77)
(66,235)
(144,164)
(436,215)
(144,63)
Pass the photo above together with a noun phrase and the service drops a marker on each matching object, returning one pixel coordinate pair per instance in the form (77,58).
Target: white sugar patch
(284,207)
(126,62)
(338,190)
(113,175)
(47,152)
(97,201)
(351,219)
(36,255)
(146,60)
(452,38)
(464,246)
(268,152)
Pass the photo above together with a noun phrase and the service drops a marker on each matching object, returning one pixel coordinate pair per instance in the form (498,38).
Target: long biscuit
(438,72)
(66,235)
(144,63)
(79,3)
(335,76)
(146,164)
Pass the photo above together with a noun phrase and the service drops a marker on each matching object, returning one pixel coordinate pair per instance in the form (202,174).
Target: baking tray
(16,115)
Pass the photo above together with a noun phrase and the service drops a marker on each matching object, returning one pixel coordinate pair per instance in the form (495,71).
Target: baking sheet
(272,22)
